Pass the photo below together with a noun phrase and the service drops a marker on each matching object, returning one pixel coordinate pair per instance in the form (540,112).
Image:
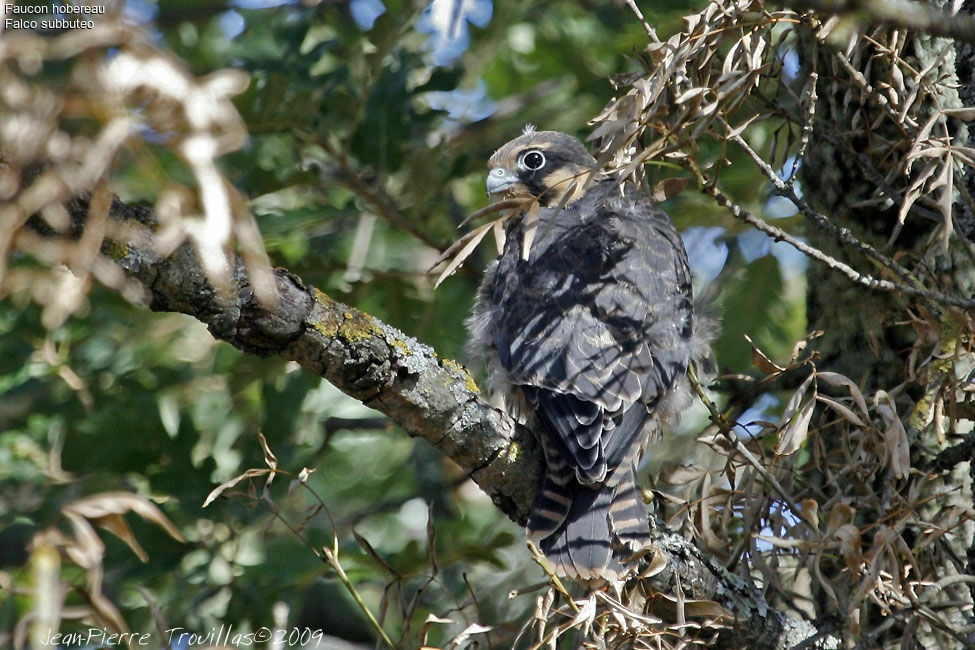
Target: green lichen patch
(326,328)
(351,325)
(322,297)
(357,326)
(460,369)
(114,250)
(513,452)
(942,367)
(401,345)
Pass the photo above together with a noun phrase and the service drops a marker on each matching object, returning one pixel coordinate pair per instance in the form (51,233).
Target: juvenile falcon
(588,337)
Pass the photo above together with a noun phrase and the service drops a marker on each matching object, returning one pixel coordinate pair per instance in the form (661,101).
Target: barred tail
(589,532)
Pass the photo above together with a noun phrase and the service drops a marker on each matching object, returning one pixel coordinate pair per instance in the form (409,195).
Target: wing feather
(590,334)
(595,325)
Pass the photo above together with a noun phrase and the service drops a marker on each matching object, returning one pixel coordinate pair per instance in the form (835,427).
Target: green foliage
(753,304)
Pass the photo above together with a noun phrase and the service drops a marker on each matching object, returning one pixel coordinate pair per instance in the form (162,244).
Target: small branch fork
(842,235)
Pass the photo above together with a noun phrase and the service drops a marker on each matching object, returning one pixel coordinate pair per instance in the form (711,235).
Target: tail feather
(628,515)
(553,503)
(589,532)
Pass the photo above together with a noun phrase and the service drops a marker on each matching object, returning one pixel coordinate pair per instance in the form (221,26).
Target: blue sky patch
(446,23)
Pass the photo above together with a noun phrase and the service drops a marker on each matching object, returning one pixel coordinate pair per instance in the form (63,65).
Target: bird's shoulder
(602,231)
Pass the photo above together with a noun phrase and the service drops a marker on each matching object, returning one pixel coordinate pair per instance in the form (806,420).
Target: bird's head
(541,164)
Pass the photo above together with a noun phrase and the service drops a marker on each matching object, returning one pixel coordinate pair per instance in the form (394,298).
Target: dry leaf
(795,433)
(810,512)
(223,487)
(270,460)
(461,640)
(117,525)
(897,449)
(793,404)
(658,563)
(425,630)
(803,342)
(966,113)
(470,242)
(668,188)
(499,235)
(850,547)
(117,503)
(839,515)
(371,552)
(842,409)
(762,362)
(530,226)
(587,611)
(836,379)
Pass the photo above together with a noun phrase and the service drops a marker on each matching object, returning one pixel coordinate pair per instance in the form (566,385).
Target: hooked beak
(500,179)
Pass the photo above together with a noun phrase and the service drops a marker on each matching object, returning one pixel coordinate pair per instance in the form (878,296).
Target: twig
(961,453)
(778,234)
(874,175)
(869,90)
(809,97)
(381,203)
(477,606)
(736,442)
(788,191)
(540,561)
(331,556)
(643,21)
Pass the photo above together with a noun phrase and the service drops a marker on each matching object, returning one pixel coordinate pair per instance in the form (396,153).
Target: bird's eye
(533,160)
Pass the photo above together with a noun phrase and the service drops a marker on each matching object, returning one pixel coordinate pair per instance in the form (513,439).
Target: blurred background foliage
(370,126)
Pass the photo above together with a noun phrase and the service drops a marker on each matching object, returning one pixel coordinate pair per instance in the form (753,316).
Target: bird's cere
(500,180)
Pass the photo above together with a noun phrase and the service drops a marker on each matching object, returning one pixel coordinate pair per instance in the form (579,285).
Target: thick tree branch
(427,396)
